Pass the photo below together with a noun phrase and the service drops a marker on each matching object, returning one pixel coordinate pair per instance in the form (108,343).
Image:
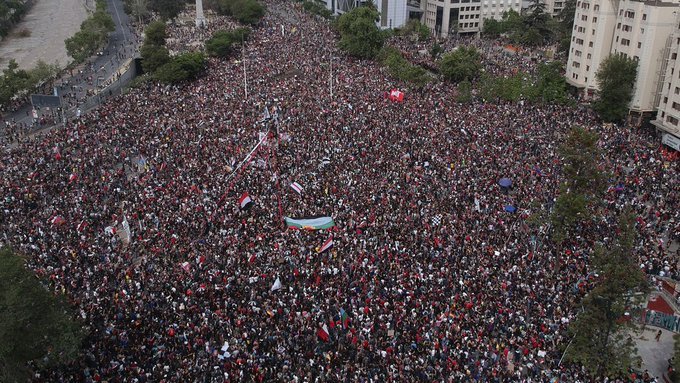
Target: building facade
(636,29)
(668,113)
(450,17)
(393,13)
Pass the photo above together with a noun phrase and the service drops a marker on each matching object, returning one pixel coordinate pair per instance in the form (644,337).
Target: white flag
(276,285)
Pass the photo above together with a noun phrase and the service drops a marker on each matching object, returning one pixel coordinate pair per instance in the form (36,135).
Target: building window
(594,20)
(596,7)
(677,90)
(635,58)
(618,26)
(625,42)
(584,18)
(590,44)
(676,106)
(672,120)
(639,45)
(587,68)
(630,14)
(574,76)
(576,64)
(626,28)
(665,100)
(589,56)
(674,56)
(577,53)
(644,16)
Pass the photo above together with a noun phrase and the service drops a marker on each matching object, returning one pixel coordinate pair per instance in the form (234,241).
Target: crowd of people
(133,212)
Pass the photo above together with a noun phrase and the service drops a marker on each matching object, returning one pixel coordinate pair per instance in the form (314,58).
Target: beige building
(637,29)
(668,114)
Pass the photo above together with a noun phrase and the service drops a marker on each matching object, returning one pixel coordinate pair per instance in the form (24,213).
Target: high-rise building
(636,29)
(668,113)
(447,17)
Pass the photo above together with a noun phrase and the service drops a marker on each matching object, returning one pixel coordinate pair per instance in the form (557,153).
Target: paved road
(79,87)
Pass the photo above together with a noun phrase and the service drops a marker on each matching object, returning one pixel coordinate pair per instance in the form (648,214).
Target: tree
(583,184)
(221,42)
(35,325)
(616,79)
(492,28)
(153,51)
(138,9)
(600,341)
(167,9)
(551,85)
(184,67)
(155,33)
(415,28)
(462,64)
(360,36)
(245,11)
(436,51)
(93,33)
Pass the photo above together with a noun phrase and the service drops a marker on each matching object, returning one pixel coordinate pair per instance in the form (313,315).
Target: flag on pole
(57,220)
(81,226)
(276,285)
(344,318)
(327,245)
(244,202)
(126,230)
(297,187)
(310,223)
(323,333)
(436,220)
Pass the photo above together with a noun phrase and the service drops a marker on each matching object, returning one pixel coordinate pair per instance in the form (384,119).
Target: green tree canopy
(245,11)
(155,34)
(93,33)
(583,184)
(616,79)
(167,9)
(184,67)
(221,42)
(462,64)
(600,342)
(359,35)
(551,85)
(35,325)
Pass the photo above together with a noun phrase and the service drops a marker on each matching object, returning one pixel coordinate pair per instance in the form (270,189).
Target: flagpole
(245,75)
(235,172)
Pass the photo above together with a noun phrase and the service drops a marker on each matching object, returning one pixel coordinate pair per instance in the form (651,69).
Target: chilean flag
(323,333)
(327,245)
(244,202)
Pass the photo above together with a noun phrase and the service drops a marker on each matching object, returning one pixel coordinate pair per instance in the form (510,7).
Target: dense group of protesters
(133,212)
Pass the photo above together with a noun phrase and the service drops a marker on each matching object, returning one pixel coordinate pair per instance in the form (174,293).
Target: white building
(494,9)
(446,17)
(668,114)
(637,29)
(393,13)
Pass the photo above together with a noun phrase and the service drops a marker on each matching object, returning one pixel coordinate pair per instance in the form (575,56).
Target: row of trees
(403,70)
(19,82)
(156,60)
(11,12)
(93,34)
(600,335)
(534,27)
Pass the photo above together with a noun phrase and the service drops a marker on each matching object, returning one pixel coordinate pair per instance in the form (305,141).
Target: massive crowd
(437,280)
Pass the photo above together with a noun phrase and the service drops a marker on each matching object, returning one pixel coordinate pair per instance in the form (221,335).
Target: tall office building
(637,29)
(447,17)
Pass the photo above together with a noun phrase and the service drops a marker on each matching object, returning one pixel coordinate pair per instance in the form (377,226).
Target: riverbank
(50,22)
